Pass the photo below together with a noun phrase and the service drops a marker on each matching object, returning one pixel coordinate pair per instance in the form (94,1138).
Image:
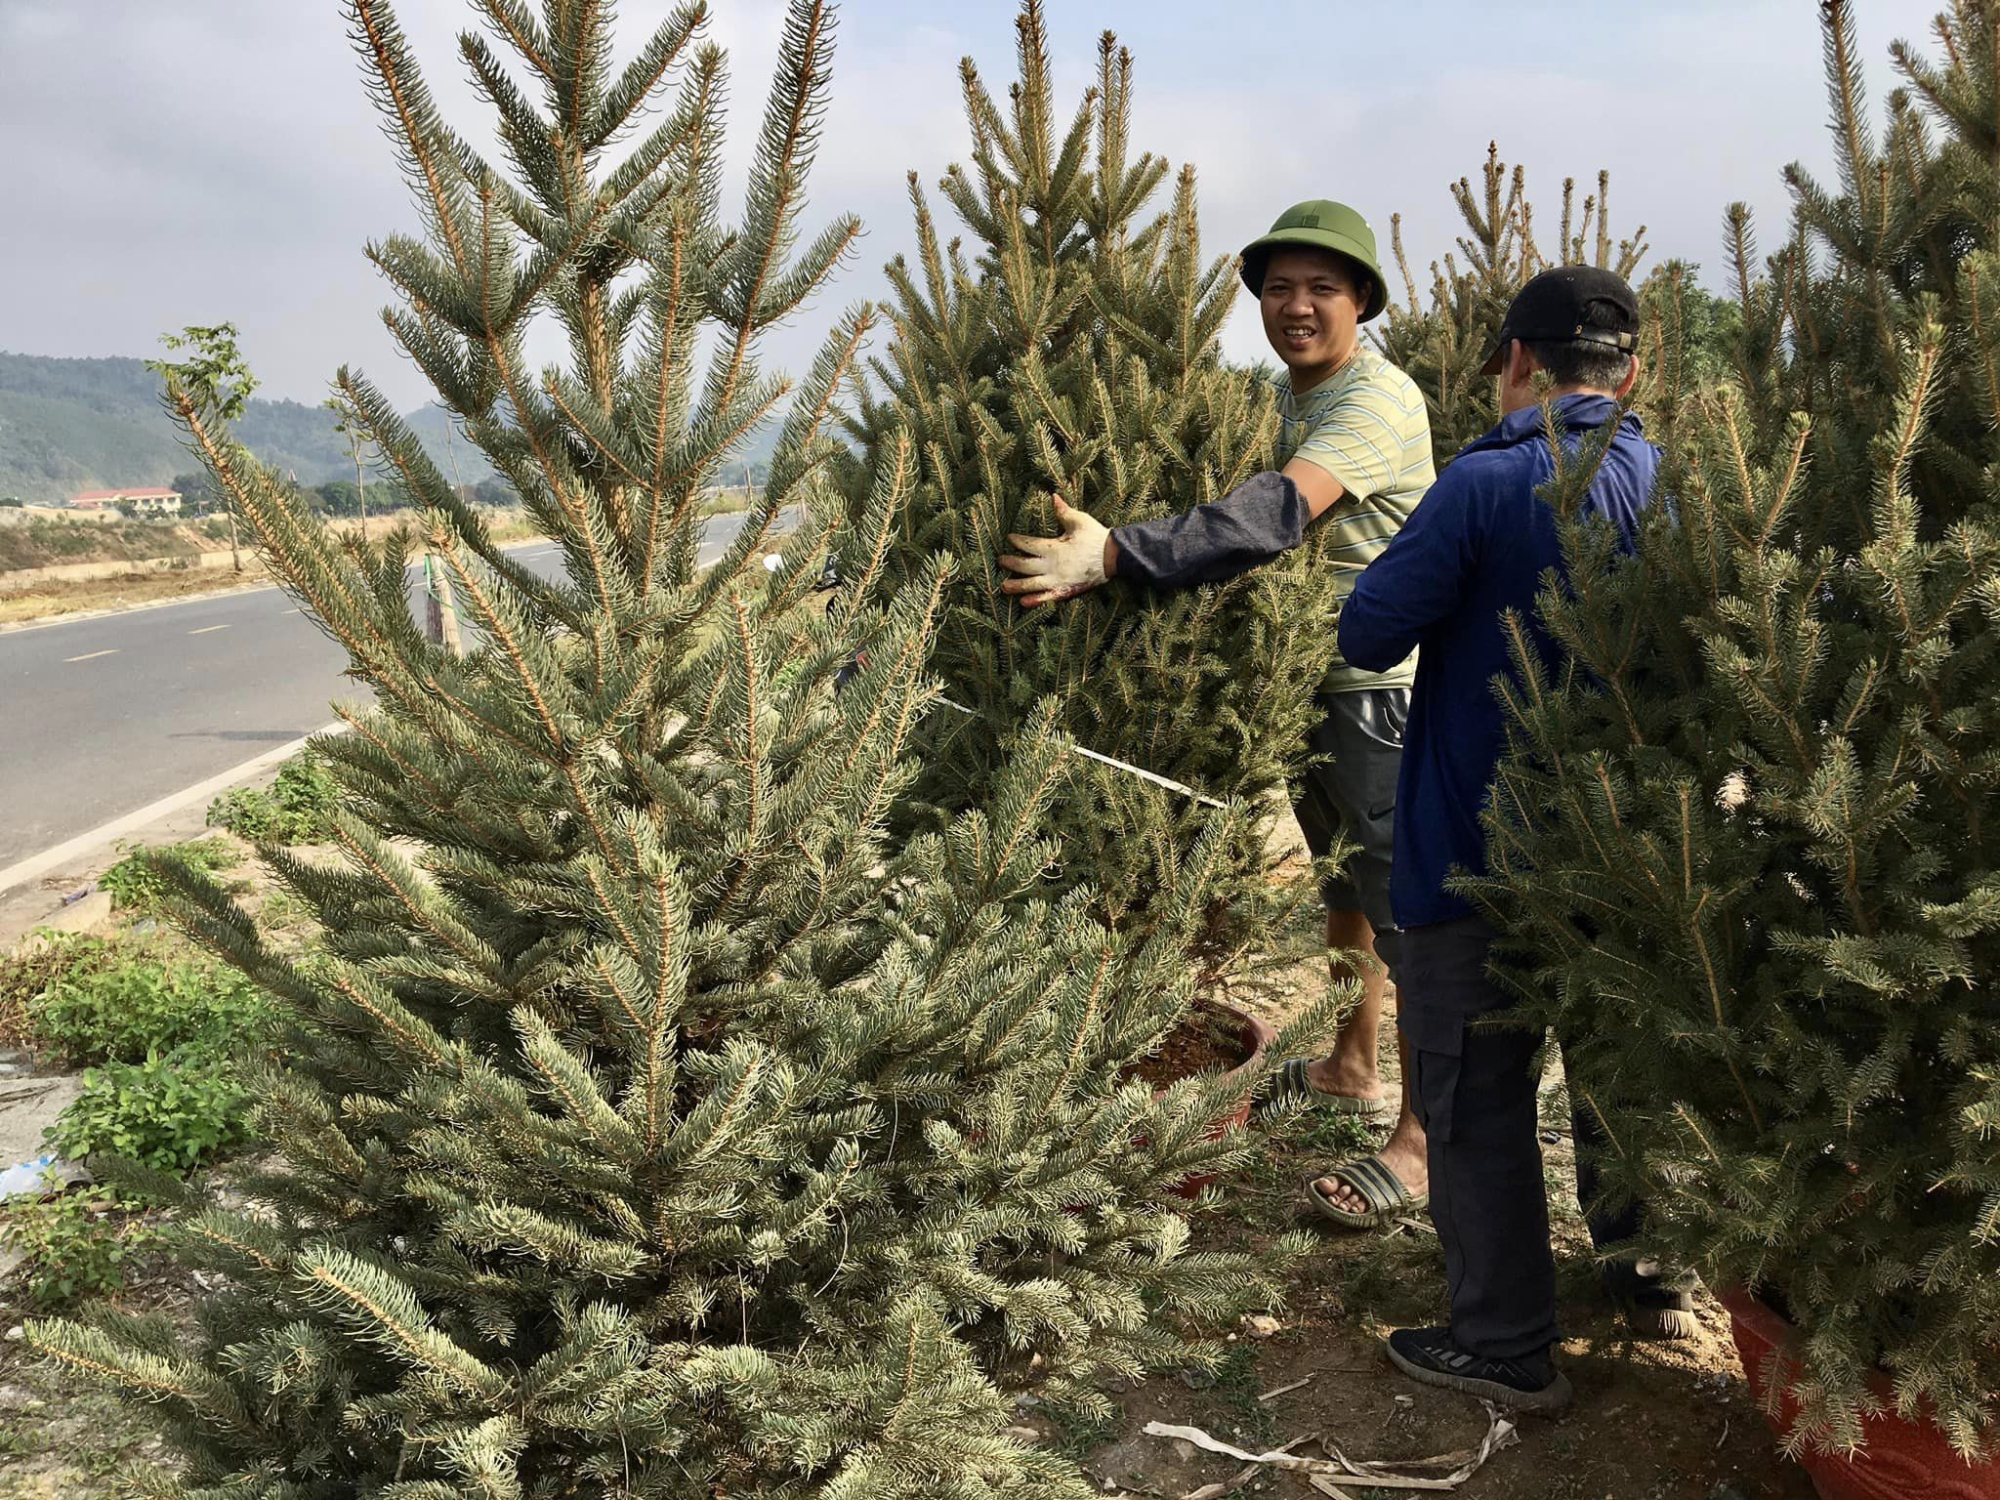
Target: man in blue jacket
(1478,545)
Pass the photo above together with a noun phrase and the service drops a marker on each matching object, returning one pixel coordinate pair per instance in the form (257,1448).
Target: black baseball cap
(1569,305)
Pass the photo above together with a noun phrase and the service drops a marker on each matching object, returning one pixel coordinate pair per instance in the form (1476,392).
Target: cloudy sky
(184,161)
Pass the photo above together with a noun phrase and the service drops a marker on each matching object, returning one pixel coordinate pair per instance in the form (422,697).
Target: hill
(79,424)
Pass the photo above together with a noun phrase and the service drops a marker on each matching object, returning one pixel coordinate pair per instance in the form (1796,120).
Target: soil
(50,600)
(42,543)
(1206,1042)
(61,1437)
(1651,1421)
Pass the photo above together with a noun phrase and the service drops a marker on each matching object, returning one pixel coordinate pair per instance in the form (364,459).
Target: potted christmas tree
(1068,344)
(1746,843)
(650,1123)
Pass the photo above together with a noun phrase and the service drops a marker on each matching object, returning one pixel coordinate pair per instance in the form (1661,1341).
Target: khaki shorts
(1353,793)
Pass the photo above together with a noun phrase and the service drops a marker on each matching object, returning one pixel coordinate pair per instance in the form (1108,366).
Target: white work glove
(1058,567)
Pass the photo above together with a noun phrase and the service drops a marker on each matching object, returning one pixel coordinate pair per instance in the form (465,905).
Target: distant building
(141,502)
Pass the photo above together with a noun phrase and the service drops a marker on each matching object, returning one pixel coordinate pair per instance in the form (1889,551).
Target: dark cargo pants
(1473,1088)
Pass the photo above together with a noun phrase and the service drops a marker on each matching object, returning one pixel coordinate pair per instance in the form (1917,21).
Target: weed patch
(104,1004)
(297,808)
(136,886)
(172,1112)
(76,1247)
(26,973)
(161,1037)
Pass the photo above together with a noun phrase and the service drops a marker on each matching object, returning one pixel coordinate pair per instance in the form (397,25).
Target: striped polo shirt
(1366,425)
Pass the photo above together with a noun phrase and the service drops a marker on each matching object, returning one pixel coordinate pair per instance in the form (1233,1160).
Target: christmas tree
(1745,841)
(1441,336)
(650,1123)
(1072,350)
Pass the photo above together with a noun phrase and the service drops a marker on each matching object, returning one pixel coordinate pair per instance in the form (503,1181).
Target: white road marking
(206,629)
(92,655)
(38,865)
(291,611)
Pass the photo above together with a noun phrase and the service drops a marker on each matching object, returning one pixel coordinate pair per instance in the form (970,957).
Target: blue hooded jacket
(1476,545)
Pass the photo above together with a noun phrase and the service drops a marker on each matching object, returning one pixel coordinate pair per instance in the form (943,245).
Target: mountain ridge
(73,424)
(70,424)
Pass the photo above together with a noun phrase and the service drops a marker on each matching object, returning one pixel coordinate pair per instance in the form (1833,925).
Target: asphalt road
(103,716)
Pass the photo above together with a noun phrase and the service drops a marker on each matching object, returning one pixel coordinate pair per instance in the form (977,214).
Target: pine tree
(1442,338)
(1072,349)
(1745,841)
(650,1123)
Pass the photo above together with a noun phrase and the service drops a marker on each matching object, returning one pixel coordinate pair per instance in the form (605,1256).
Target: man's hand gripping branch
(1060,567)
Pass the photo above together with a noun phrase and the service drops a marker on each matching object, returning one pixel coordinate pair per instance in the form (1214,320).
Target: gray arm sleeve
(1255,522)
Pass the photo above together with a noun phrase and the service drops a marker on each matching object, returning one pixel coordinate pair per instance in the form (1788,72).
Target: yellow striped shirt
(1366,425)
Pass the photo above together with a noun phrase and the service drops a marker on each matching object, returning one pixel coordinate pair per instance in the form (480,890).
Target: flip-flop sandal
(1293,1082)
(1375,1185)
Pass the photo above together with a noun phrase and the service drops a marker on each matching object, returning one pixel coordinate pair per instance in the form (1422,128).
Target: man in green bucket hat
(1355,456)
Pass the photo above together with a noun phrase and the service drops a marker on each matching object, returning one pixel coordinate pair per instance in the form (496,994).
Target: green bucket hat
(1323,225)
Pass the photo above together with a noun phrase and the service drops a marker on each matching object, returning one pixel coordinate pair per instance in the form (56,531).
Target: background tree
(1746,840)
(216,377)
(347,422)
(1441,335)
(1072,349)
(193,488)
(651,1124)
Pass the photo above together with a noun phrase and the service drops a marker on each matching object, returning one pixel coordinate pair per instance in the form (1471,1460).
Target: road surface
(103,716)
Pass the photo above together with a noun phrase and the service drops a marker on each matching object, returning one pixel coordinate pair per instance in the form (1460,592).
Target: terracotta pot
(1898,1460)
(1257,1036)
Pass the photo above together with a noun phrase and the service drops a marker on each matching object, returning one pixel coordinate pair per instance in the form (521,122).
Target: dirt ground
(61,1437)
(1651,1421)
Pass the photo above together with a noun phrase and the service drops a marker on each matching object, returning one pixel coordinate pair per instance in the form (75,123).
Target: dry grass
(78,596)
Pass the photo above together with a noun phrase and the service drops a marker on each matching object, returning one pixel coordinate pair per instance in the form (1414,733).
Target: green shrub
(165,1037)
(75,1246)
(118,1008)
(29,971)
(172,1112)
(297,808)
(136,886)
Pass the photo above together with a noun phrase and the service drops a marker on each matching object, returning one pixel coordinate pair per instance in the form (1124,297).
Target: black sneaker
(1655,1307)
(1528,1382)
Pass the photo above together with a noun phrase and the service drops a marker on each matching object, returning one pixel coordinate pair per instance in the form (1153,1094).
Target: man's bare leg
(1352,1069)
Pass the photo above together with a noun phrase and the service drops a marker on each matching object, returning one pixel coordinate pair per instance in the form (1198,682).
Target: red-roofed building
(141,502)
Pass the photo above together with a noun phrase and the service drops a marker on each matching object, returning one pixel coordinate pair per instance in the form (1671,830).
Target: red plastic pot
(1898,1460)
(1258,1035)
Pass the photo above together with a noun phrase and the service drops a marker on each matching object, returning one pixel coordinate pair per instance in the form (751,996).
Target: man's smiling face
(1312,306)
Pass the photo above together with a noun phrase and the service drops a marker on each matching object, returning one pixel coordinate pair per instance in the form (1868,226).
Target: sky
(195,161)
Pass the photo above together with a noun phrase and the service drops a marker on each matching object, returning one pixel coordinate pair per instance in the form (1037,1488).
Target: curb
(37,865)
